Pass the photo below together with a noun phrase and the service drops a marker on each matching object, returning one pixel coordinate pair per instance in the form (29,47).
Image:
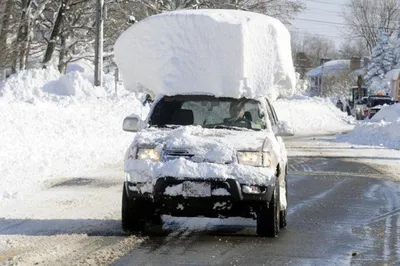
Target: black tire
(268,218)
(132,217)
(282,220)
(283,213)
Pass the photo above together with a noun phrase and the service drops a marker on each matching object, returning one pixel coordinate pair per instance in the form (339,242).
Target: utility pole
(322,79)
(322,61)
(98,68)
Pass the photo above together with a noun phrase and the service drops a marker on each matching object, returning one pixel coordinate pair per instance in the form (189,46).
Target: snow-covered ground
(383,130)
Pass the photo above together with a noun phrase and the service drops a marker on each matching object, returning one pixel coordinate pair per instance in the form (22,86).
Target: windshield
(376,102)
(208,111)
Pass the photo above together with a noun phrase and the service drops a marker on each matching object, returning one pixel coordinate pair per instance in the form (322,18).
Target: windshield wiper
(225,127)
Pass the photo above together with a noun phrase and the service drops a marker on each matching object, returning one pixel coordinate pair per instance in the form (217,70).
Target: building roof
(330,67)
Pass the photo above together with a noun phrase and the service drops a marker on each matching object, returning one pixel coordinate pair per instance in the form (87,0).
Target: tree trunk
(62,64)
(51,47)
(22,44)
(4,33)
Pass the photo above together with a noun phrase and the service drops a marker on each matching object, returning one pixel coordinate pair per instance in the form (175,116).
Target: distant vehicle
(356,104)
(376,102)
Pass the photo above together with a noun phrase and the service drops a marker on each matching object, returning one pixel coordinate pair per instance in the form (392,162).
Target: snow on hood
(214,152)
(209,145)
(228,53)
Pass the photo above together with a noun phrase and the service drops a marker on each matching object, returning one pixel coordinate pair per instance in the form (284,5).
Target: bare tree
(367,17)
(314,47)
(339,83)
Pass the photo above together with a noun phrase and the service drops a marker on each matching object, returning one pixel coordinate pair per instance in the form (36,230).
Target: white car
(194,157)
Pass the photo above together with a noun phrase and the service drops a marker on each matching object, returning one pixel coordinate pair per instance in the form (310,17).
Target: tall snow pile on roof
(382,130)
(46,134)
(220,52)
(313,116)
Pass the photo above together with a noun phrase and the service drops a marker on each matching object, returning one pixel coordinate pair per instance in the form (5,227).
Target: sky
(322,17)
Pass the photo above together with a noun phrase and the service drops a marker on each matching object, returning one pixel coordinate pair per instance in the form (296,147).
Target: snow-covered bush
(382,60)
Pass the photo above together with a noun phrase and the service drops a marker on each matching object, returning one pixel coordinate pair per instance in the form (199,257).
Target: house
(393,79)
(333,69)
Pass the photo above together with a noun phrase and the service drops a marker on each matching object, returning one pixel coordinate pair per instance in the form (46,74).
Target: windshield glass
(376,102)
(208,111)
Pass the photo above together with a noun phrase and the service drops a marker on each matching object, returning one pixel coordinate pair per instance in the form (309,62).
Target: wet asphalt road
(340,213)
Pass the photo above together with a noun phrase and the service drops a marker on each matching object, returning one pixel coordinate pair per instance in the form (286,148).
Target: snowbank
(219,52)
(382,130)
(388,113)
(313,116)
(45,134)
(49,84)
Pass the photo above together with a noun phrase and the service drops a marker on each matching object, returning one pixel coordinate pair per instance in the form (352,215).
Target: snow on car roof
(220,52)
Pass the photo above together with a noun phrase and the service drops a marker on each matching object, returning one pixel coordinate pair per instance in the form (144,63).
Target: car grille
(169,155)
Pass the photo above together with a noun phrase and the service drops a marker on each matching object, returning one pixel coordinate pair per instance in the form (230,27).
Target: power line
(325,10)
(329,3)
(342,24)
(317,34)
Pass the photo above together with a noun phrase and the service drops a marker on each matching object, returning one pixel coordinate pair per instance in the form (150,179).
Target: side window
(271,115)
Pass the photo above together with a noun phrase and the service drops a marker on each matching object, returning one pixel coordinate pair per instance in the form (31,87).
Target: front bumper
(235,203)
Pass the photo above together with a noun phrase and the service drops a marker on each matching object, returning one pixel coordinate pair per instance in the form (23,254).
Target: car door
(275,122)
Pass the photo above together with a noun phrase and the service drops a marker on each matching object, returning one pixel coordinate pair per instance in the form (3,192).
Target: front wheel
(135,213)
(268,218)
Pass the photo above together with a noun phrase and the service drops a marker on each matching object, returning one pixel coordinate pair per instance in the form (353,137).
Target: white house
(333,68)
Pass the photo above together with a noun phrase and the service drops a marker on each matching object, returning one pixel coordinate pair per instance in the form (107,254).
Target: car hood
(203,145)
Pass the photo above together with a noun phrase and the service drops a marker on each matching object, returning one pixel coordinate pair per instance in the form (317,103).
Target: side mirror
(284,129)
(132,124)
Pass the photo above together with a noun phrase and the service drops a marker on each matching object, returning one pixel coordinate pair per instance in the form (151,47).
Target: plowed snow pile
(56,126)
(382,130)
(313,116)
(220,52)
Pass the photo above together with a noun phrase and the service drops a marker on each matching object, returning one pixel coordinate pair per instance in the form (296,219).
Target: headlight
(148,154)
(250,158)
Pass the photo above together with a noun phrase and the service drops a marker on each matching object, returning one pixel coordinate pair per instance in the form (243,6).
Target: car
(375,103)
(202,155)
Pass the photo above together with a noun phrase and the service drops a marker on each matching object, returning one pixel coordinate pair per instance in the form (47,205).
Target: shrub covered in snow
(382,60)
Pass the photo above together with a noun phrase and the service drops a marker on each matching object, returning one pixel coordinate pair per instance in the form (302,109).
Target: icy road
(342,210)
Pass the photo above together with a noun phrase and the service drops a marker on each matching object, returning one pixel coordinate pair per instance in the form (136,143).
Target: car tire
(132,217)
(268,217)
(283,213)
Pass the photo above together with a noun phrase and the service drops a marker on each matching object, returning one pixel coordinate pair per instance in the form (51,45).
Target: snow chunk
(219,52)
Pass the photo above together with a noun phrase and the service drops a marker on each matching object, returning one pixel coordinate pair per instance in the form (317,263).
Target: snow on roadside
(72,130)
(382,130)
(313,115)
